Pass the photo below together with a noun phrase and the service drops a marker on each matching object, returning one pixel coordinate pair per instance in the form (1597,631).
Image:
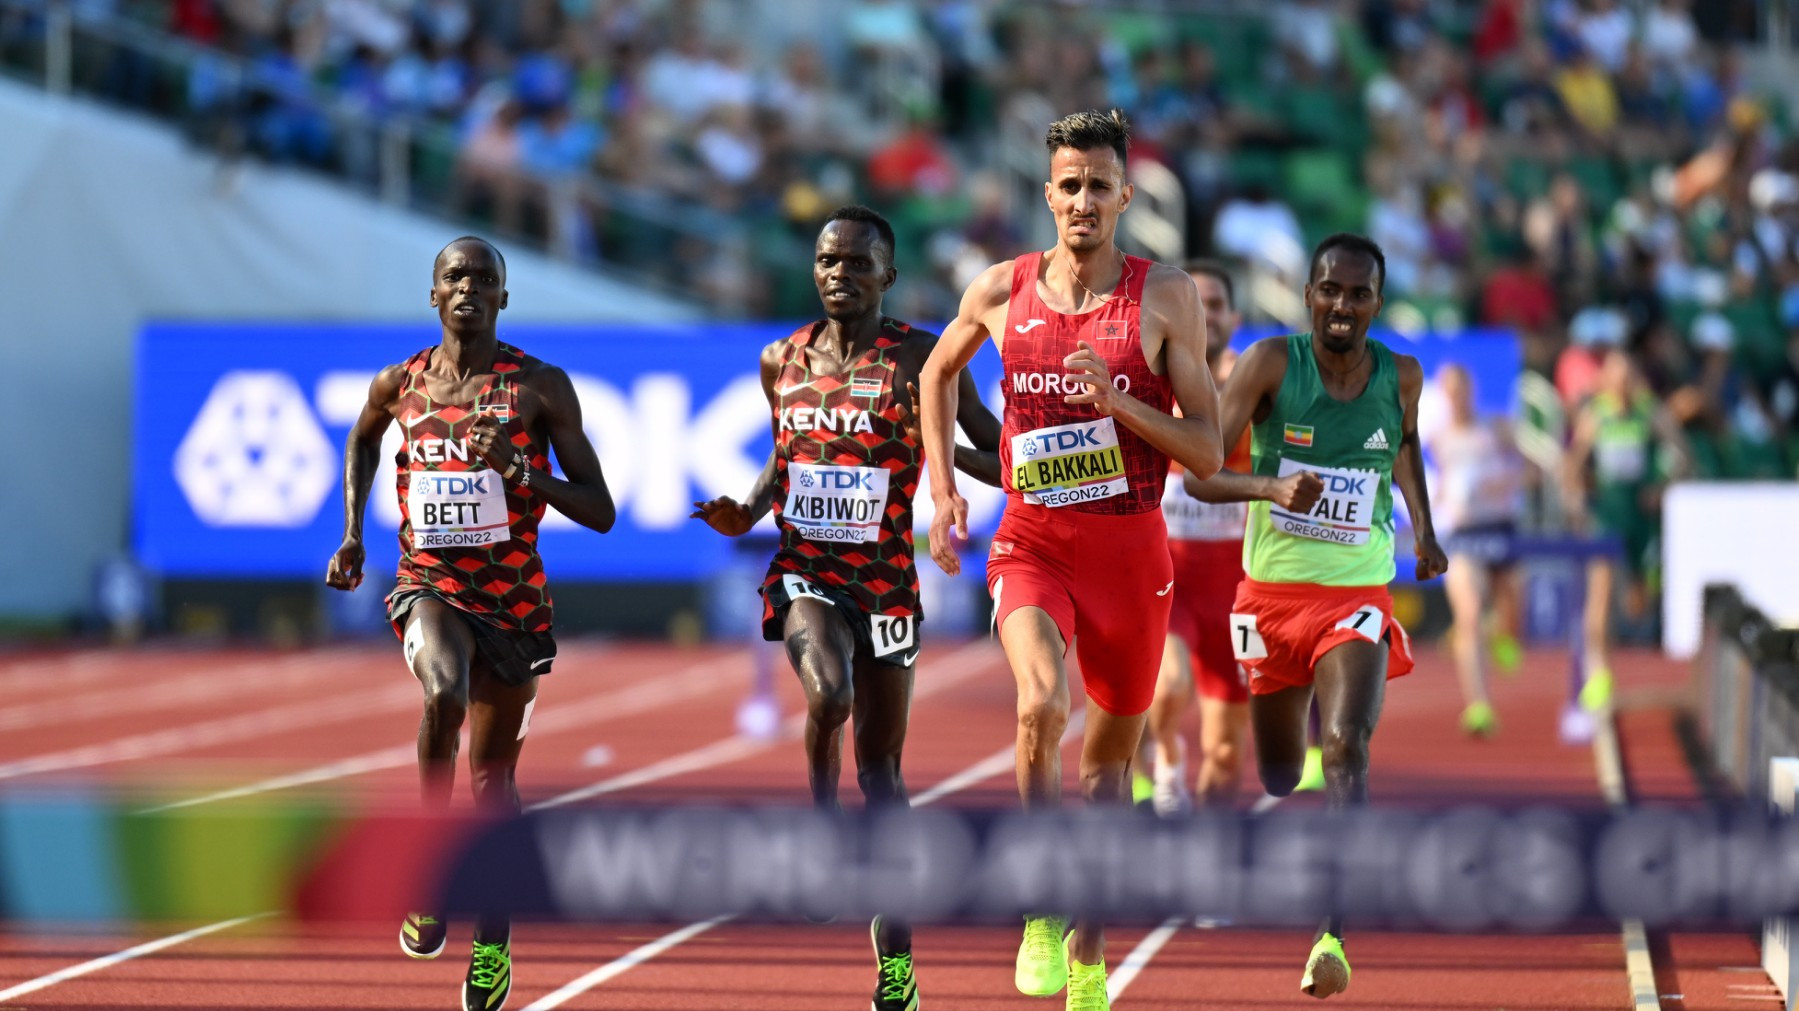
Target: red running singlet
(464,532)
(846,473)
(1064,455)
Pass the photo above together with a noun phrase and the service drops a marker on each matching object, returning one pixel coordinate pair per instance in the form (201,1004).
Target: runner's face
(1221,318)
(1344,296)
(852,270)
(470,287)
(1086,192)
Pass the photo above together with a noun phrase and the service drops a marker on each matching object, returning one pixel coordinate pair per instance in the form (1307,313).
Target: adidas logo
(1376,441)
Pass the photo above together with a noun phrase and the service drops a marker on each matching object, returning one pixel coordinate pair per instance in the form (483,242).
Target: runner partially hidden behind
(1314,612)
(471,606)
(842,591)
(1097,348)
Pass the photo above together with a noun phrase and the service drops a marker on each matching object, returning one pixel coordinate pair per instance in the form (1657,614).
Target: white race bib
(836,504)
(457,510)
(892,633)
(1344,513)
(1620,462)
(1189,519)
(1066,464)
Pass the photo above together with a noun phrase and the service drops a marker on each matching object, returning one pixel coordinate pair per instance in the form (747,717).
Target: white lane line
(210,733)
(1139,957)
(957,667)
(1608,767)
(694,681)
(108,961)
(630,960)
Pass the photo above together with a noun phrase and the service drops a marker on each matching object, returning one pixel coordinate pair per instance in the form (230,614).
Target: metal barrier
(1748,672)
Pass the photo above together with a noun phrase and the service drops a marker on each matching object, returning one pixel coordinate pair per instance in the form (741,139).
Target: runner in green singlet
(1613,479)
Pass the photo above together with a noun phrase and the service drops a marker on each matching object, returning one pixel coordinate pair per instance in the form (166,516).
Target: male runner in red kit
(1097,348)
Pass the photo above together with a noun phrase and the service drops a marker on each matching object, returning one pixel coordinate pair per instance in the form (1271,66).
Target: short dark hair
(1085,131)
(1217,272)
(460,239)
(868,216)
(1355,244)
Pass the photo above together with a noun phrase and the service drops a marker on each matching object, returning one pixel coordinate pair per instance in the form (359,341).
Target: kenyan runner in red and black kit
(842,590)
(471,607)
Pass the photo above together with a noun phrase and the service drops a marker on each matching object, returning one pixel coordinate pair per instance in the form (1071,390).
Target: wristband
(512,467)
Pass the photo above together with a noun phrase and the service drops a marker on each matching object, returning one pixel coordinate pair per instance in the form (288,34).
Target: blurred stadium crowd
(1596,174)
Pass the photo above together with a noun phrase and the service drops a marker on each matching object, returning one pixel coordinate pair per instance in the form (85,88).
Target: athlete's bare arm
(981,315)
(1574,467)
(980,460)
(580,493)
(1249,396)
(1408,471)
(725,514)
(1171,311)
(362,454)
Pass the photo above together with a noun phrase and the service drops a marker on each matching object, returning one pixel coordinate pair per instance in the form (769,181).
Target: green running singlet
(1347,537)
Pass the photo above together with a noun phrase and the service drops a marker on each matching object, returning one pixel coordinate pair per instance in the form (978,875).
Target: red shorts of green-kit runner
(1281,630)
(1105,580)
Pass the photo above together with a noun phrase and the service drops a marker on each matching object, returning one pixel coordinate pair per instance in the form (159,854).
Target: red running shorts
(1107,583)
(1206,574)
(1281,630)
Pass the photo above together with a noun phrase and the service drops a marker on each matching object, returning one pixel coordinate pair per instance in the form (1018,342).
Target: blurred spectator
(1262,230)
(1605,30)
(1587,93)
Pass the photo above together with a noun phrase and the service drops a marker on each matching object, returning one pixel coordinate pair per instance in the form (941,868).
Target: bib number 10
(892,633)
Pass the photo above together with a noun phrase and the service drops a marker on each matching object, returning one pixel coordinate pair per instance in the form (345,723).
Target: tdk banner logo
(256,455)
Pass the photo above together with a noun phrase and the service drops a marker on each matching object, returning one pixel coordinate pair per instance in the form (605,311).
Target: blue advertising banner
(240,428)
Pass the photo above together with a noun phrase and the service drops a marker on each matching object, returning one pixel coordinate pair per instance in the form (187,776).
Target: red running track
(657,723)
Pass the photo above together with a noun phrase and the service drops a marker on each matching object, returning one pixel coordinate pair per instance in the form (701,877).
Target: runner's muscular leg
(1174,686)
(883,704)
(439,648)
(1279,719)
(822,648)
(1106,749)
(1221,730)
(1034,649)
(496,724)
(1352,683)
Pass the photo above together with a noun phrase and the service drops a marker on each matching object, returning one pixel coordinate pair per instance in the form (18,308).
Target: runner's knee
(828,702)
(1280,780)
(1346,748)
(1223,756)
(1043,715)
(446,701)
(1104,780)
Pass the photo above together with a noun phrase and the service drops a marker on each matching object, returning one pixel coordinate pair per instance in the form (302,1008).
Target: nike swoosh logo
(539,663)
(907,660)
(1028,327)
(1163,592)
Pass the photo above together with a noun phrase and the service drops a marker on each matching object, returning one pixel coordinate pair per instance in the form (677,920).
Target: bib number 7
(1246,642)
(1368,621)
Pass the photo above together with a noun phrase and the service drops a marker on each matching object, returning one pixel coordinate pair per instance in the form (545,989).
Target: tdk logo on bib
(834,503)
(452,484)
(1059,441)
(1344,484)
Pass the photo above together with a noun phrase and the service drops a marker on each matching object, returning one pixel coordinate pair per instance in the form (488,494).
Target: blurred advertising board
(239,431)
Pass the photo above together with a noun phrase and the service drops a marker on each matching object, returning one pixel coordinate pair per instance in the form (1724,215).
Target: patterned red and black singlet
(452,536)
(1065,455)
(845,475)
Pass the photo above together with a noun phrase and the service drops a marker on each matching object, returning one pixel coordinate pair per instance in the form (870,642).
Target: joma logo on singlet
(811,419)
(441,450)
(1058,383)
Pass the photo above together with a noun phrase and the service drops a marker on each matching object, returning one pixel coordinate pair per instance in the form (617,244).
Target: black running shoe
(489,977)
(423,936)
(895,987)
